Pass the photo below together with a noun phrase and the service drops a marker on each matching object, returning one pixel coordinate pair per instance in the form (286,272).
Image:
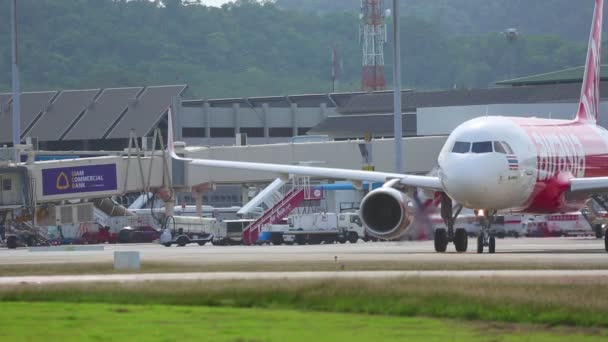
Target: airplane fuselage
(521,164)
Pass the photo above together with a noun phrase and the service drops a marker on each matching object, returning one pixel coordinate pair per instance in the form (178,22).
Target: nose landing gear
(486,237)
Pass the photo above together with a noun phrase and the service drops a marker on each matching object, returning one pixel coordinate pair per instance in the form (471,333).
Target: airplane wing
(428,182)
(591,184)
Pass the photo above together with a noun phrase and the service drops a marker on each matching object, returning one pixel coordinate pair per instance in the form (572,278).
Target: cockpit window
(482,147)
(499,148)
(461,147)
(507,147)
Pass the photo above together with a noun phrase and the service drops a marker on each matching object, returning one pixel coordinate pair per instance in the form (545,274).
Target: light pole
(16,90)
(398,125)
(512,35)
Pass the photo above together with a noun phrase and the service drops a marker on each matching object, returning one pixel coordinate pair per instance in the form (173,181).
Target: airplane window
(499,148)
(482,147)
(507,147)
(461,147)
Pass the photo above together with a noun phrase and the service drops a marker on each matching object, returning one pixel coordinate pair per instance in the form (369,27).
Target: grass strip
(290,266)
(570,302)
(112,322)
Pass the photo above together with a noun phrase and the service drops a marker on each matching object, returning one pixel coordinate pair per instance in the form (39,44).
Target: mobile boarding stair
(281,205)
(22,234)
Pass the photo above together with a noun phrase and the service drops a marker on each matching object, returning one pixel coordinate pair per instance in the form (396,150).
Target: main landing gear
(486,237)
(442,236)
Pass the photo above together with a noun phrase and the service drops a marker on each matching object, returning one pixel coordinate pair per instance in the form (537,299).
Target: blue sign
(71,180)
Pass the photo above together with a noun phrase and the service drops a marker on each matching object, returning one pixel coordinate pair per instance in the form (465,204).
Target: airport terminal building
(92,120)
(101,119)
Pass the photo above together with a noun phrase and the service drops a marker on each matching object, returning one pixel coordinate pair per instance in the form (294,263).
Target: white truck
(567,224)
(315,229)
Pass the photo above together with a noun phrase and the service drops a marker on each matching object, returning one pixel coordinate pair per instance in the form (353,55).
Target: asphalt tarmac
(572,252)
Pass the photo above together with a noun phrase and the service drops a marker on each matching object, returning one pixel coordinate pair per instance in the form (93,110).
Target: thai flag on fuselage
(513,162)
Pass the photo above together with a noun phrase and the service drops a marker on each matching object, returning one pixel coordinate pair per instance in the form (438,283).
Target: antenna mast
(372,35)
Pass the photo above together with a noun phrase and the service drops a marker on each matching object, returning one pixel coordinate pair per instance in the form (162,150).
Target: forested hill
(250,49)
(565,18)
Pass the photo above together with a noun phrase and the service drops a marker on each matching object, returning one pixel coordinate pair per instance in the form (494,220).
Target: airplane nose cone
(474,185)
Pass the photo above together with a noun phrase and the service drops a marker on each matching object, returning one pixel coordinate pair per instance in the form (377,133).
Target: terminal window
(280,132)
(253,132)
(222,132)
(193,132)
(303,130)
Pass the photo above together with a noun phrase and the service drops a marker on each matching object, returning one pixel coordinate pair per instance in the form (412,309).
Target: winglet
(588,108)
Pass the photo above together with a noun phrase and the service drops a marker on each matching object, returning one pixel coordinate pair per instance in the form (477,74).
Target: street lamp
(511,35)
(398,125)
(16,86)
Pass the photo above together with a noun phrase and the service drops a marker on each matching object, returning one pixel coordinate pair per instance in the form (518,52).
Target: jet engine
(387,213)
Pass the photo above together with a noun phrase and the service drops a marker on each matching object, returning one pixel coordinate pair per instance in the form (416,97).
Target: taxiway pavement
(584,252)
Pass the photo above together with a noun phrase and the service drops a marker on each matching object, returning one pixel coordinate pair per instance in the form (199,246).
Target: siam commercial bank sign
(77,179)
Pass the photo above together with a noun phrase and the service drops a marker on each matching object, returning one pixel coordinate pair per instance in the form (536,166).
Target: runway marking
(132,278)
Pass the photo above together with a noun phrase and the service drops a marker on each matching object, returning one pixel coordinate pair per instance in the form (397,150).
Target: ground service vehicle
(182,230)
(317,228)
(229,232)
(138,234)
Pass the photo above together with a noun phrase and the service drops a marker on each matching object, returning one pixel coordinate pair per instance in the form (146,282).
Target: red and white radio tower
(372,34)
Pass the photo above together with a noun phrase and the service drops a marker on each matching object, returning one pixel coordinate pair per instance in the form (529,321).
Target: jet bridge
(99,177)
(59,192)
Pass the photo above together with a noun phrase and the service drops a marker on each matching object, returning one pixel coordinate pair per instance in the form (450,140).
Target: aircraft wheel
(480,244)
(441,240)
(461,240)
(598,231)
(492,247)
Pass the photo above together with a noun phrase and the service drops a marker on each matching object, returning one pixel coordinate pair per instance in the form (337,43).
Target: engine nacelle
(387,213)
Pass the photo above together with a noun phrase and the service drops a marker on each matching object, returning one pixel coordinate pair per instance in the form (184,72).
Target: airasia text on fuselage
(558,153)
